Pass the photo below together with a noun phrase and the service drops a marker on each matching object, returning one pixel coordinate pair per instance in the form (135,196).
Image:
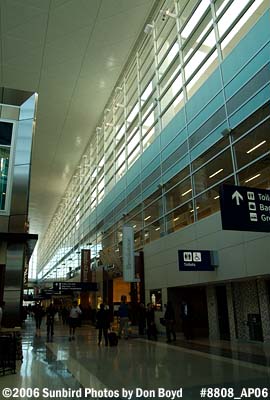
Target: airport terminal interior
(135,199)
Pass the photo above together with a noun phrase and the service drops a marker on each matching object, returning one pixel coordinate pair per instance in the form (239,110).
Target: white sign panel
(128,254)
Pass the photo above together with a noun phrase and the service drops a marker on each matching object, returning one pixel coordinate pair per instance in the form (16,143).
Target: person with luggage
(123,313)
(50,312)
(102,324)
(169,318)
(74,314)
(150,322)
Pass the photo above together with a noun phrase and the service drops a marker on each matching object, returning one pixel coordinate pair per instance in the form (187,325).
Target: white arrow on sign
(238,197)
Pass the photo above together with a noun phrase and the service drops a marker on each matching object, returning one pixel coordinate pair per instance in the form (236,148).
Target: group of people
(72,318)
(145,318)
(146,321)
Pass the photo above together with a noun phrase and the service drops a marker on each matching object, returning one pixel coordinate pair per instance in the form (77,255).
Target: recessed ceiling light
(215,173)
(149,216)
(255,147)
(253,177)
(217,197)
(188,191)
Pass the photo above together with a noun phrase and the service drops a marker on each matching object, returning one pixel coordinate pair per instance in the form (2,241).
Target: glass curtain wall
(169,65)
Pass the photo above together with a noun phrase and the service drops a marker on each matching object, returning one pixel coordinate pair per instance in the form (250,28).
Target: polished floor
(137,365)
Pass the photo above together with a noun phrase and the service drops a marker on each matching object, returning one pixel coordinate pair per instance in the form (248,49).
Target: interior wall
(240,254)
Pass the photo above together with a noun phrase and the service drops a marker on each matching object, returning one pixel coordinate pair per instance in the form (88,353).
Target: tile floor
(134,363)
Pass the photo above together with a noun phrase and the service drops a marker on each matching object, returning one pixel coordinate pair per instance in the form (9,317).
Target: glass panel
(254,145)
(202,75)
(154,231)
(257,174)
(138,240)
(177,178)
(150,136)
(242,26)
(206,156)
(208,202)
(133,142)
(153,212)
(196,16)
(170,75)
(171,92)
(179,194)
(135,218)
(213,172)
(180,218)
(197,36)
(172,109)
(133,156)
(251,121)
(152,198)
(230,15)
(149,105)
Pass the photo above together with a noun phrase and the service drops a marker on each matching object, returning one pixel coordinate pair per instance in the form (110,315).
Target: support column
(231,312)
(264,309)
(13,284)
(213,321)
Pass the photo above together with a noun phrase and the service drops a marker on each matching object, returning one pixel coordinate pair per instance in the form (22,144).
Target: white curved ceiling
(71,53)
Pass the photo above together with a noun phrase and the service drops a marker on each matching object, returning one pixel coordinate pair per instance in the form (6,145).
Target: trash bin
(255,327)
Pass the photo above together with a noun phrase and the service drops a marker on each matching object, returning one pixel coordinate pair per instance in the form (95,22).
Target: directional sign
(245,209)
(197,260)
(76,286)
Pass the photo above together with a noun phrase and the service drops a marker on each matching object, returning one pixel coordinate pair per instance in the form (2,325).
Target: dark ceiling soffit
(14,97)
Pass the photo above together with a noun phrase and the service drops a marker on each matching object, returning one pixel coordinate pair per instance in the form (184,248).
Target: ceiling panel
(71,52)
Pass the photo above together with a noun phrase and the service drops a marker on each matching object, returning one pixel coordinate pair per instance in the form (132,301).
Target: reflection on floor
(136,363)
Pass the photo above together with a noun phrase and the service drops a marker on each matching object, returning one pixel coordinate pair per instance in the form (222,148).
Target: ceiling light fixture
(188,191)
(149,216)
(176,219)
(253,177)
(217,197)
(215,173)
(193,210)
(255,147)
(157,229)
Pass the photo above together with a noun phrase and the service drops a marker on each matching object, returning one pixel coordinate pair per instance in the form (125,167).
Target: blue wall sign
(244,208)
(196,260)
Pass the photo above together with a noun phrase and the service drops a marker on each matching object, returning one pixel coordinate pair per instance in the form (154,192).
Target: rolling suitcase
(113,339)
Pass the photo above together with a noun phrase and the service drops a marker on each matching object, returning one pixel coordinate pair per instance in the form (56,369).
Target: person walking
(74,315)
(102,324)
(39,314)
(50,312)
(141,318)
(169,318)
(2,305)
(123,316)
(150,322)
(185,314)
